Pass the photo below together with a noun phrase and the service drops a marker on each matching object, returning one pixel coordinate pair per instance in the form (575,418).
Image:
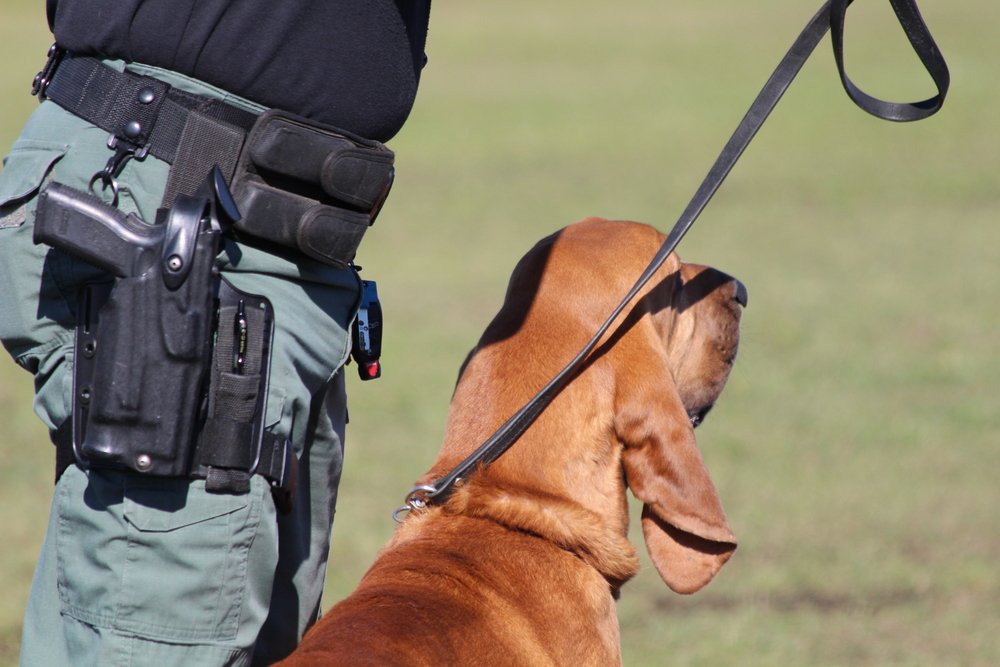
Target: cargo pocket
(29,301)
(24,172)
(185,570)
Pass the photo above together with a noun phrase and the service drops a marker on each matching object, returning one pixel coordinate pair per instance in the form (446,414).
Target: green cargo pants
(155,571)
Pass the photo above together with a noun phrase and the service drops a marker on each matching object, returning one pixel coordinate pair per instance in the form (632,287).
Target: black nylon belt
(830,17)
(140,110)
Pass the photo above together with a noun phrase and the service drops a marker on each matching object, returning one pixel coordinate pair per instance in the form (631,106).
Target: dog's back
(454,590)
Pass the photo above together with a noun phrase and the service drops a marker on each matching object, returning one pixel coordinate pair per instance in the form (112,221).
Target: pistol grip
(87,228)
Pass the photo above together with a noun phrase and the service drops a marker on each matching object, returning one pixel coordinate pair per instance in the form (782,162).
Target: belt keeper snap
(146,95)
(133,129)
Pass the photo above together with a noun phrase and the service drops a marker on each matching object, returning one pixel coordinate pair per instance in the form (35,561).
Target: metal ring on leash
(416,499)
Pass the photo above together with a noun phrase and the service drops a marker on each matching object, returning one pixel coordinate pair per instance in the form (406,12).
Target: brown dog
(522,565)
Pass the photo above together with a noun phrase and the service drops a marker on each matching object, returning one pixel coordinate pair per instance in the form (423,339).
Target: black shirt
(354,64)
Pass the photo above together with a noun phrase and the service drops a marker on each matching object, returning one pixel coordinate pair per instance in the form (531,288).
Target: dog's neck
(566,524)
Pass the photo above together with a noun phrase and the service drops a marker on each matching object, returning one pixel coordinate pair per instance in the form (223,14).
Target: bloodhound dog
(523,563)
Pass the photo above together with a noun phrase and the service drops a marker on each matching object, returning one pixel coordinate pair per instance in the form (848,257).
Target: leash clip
(417,499)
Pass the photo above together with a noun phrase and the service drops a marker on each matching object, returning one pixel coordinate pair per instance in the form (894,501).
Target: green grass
(857,446)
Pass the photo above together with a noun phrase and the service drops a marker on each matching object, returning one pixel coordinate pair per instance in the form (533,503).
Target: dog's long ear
(685,528)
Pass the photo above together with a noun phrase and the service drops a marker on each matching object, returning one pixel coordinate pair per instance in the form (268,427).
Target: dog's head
(633,409)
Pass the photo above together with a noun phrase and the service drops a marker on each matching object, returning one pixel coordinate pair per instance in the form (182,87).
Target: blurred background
(857,447)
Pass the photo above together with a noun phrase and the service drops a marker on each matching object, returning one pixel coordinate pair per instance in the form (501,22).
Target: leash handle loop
(923,44)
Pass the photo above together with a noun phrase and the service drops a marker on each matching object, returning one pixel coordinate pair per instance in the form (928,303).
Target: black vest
(354,64)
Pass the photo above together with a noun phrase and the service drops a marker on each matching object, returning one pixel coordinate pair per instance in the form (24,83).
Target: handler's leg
(140,571)
(304,538)
(149,571)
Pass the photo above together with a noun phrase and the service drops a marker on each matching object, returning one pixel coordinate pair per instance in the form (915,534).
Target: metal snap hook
(107,181)
(116,163)
(415,500)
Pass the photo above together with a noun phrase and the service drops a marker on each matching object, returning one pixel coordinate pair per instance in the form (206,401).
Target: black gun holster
(171,360)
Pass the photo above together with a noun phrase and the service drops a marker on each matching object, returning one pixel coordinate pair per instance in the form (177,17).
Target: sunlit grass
(856,446)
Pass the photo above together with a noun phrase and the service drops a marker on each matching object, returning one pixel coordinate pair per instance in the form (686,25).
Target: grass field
(857,448)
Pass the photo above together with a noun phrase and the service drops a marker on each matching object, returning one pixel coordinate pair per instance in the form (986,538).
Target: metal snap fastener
(143,462)
(146,95)
(174,263)
(133,129)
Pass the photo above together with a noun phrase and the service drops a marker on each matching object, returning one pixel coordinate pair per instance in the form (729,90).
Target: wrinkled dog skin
(522,564)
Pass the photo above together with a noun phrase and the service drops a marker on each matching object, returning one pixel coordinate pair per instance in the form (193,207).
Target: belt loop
(139,110)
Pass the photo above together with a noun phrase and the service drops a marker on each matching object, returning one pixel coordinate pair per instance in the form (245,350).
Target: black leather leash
(830,17)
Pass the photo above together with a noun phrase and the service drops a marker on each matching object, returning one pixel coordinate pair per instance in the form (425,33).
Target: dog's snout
(741,295)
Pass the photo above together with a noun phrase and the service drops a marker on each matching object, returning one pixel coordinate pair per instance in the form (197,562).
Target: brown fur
(522,565)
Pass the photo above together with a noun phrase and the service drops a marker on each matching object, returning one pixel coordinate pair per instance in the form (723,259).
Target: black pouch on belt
(312,188)
(232,440)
